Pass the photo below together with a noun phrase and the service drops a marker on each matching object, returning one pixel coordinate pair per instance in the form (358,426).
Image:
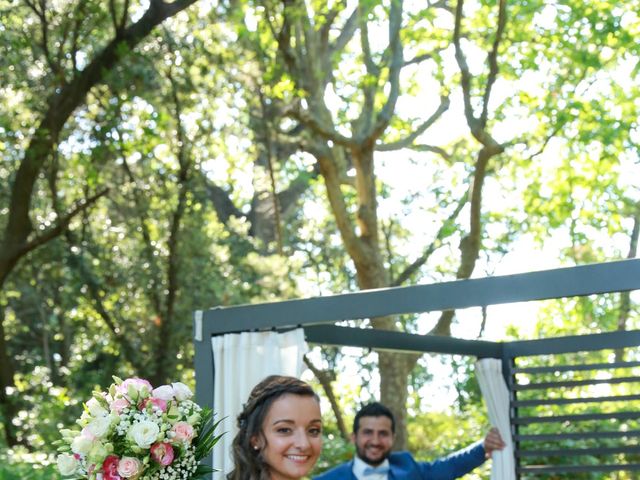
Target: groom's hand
(493,441)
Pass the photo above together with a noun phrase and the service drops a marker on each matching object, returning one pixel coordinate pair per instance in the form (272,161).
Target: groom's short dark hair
(373,409)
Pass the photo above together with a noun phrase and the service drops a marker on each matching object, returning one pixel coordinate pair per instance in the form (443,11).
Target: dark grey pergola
(318,315)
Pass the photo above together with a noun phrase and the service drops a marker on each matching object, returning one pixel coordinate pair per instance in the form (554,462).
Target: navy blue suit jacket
(402,466)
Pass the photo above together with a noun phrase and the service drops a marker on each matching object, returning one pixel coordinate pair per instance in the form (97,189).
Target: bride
(280,434)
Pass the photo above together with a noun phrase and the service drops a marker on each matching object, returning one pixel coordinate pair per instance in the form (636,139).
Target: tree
(337,78)
(308,55)
(69,69)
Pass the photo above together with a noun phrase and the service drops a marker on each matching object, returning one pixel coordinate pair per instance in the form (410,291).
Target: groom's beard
(369,455)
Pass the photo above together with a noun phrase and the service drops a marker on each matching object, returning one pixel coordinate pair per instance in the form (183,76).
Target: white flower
(67,464)
(96,409)
(81,445)
(144,433)
(194,419)
(99,427)
(164,392)
(98,453)
(181,391)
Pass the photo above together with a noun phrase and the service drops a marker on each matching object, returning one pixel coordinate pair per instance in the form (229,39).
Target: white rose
(67,464)
(181,391)
(81,445)
(165,392)
(144,433)
(99,427)
(95,408)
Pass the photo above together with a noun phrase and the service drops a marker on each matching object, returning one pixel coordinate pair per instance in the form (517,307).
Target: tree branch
(492,60)
(418,59)
(368,86)
(395,44)
(61,225)
(41,12)
(409,139)
(346,34)
(62,104)
(465,81)
(303,115)
(325,380)
(443,232)
(163,362)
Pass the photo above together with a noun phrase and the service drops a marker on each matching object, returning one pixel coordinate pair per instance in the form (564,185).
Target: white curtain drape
(240,361)
(496,397)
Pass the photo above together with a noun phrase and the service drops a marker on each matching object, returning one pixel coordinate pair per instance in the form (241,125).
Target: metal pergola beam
(400,341)
(620,276)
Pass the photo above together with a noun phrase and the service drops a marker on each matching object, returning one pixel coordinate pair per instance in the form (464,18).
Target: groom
(373,434)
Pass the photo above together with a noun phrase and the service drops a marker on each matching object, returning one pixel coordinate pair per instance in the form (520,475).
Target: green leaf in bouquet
(207,437)
(203,471)
(98,395)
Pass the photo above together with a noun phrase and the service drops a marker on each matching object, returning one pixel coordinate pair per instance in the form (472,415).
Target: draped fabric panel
(240,362)
(496,397)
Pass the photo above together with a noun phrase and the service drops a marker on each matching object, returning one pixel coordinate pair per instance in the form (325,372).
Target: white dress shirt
(360,467)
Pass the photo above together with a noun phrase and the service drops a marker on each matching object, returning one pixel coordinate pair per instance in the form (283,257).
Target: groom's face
(373,439)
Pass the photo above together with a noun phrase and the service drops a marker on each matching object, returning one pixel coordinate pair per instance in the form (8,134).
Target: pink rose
(157,404)
(118,405)
(136,384)
(129,467)
(110,468)
(183,432)
(162,453)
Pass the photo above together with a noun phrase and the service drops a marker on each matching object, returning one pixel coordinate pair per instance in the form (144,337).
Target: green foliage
(95,301)
(335,450)
(18,464)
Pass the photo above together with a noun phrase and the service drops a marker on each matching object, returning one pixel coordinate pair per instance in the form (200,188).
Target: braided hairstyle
(249,462)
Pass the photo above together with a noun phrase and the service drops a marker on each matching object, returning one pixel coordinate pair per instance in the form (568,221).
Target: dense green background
(229,153)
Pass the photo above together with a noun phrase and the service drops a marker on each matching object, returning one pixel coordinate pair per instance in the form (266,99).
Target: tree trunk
(395,369)
(7,407)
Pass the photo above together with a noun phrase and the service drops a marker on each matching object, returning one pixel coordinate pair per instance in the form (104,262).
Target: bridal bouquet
(134,431)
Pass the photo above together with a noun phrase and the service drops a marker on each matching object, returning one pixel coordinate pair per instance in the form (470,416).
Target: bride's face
(293,436)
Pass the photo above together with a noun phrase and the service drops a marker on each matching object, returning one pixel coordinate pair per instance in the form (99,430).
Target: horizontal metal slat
(574,452)
(552,437)
(574,383)
(535,469)
(575,368)
(568,401)
(577,418)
